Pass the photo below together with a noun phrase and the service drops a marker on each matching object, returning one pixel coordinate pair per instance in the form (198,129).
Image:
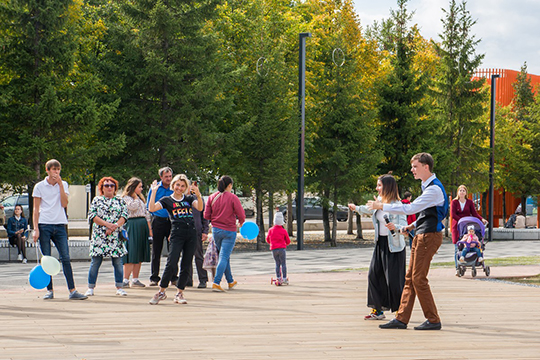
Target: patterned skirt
(138,245)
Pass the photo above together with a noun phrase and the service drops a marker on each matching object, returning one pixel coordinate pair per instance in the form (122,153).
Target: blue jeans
(225,241)
(94,269)
(280,257)
(58,234)
(472,249)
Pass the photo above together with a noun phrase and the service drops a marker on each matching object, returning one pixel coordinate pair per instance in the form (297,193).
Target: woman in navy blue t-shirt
(183,237)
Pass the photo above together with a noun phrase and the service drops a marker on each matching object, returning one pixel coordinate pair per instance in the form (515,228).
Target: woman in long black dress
(386,276)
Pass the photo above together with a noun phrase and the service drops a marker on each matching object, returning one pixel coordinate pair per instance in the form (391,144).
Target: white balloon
(50,265)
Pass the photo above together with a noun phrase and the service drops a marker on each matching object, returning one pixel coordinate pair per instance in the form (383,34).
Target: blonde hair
(181,177)
(459,188)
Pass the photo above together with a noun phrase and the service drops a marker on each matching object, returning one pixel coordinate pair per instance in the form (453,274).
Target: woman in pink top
(279,239)
(222,209)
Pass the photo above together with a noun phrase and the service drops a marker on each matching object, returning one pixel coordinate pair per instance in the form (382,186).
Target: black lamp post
(301,146)
(492,157)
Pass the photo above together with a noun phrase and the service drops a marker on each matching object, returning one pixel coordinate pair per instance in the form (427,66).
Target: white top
(50,209)
(431,196)
(462,204)
(383,230)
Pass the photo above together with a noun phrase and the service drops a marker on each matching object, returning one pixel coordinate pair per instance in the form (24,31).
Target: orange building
(504,94)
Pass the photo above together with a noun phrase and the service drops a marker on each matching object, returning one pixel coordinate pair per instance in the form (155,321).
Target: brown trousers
(423,248)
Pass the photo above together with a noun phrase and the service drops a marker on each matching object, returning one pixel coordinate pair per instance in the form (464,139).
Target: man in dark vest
(433,208)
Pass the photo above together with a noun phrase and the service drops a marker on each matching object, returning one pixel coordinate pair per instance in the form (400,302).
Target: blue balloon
(38,278)
(249,230)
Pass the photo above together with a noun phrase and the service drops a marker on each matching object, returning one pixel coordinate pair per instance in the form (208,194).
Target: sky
(508,29)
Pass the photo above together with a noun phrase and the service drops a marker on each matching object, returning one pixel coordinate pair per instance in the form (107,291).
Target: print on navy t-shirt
(180,212)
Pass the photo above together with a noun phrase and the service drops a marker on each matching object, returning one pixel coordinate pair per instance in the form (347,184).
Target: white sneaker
(121,292)
(125,283)
(24,261)
(19,257)
(180,299)
(89,292)
(480,259)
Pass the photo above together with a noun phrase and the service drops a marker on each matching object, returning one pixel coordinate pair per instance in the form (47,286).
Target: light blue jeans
(94,269)
(225,241)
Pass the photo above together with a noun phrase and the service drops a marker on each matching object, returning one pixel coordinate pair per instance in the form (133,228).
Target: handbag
(123,235)
(211,255)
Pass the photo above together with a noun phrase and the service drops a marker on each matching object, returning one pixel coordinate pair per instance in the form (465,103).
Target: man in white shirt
(50,220)
(433,208)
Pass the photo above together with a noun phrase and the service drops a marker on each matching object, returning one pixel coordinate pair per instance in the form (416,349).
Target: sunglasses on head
(109,185)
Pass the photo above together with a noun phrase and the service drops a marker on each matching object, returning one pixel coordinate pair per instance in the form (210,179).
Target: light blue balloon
(38,278)
(249,230)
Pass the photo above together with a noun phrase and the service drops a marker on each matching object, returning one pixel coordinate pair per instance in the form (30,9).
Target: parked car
(10,202)
(313,210)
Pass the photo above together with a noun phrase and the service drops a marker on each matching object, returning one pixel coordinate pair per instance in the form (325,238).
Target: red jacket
(223,212)
(277,237)
(410,218)
(457,213)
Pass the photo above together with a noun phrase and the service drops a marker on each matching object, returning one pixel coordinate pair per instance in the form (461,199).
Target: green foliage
(460,103)
(341,151)
(404,129)
(163,64)
(517,137)
(47,104)
(261,136)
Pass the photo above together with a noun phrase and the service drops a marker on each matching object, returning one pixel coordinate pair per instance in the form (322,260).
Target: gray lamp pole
(301,145)
(492,157)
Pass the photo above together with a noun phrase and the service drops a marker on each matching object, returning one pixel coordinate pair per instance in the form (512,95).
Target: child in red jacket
(279,239)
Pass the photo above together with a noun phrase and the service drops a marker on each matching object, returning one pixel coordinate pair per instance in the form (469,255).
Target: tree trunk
(359,234)
(270,209)
(484,204)
(447,219)
(350,222)
(326,223)
(333,243)
(504,206)
(260,219)
(289,215)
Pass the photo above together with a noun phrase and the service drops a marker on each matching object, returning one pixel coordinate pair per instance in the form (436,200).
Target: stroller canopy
(470,220)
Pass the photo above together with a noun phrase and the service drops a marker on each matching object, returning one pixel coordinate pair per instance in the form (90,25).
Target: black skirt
(386,277)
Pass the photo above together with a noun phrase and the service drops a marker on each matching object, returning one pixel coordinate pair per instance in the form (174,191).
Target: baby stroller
(471,259)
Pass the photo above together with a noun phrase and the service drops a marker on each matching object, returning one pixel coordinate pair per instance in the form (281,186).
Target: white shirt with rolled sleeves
(431,196)
(50,210)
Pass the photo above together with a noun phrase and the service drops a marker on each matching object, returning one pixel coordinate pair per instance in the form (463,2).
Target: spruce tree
(47,104)
(404,130)
(460,102)
(341,135)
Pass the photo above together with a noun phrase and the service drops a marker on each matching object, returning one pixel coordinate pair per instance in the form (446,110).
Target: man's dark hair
(425,159)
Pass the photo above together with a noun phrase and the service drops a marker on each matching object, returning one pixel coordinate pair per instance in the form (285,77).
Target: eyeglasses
(109,185)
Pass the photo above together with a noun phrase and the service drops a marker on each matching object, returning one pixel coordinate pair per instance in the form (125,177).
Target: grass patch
(533,280)
(507,261)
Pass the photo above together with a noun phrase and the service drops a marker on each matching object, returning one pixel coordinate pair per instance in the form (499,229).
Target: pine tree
(404,130)
(261,136)
(341,142)
(47,105)
(460,102)
(163,64)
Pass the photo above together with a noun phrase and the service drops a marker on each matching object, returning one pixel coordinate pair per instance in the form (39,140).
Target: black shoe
(202,285)
(393,324)
(426,325)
